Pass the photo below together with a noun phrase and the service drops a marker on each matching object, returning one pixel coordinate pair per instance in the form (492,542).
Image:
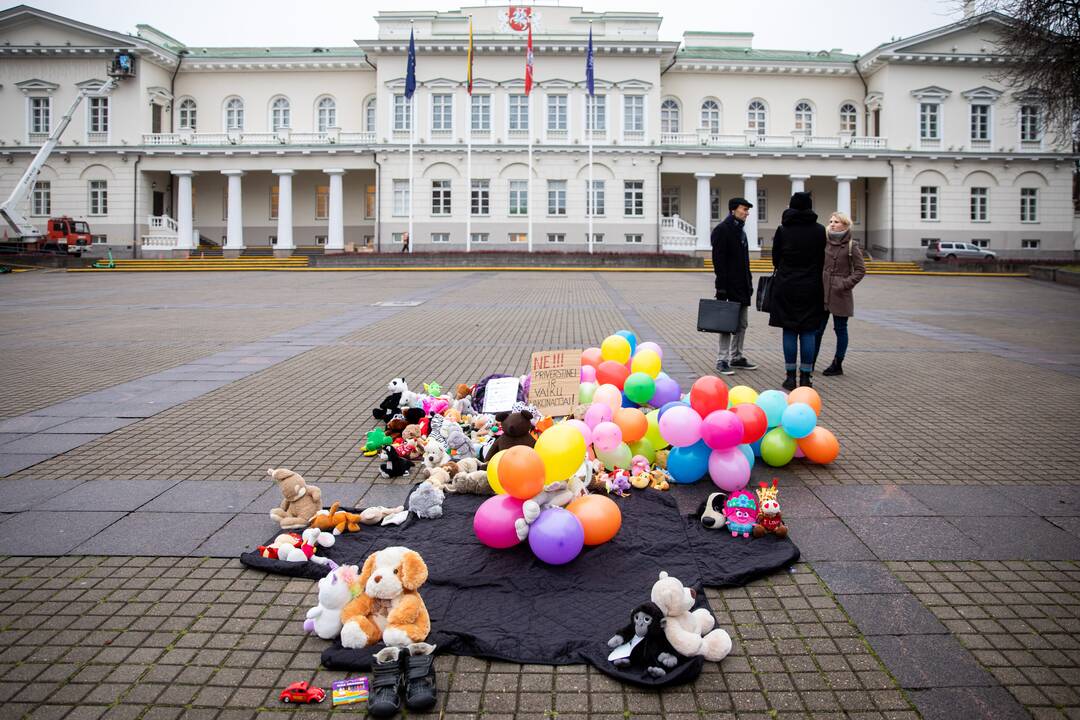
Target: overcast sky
(855,26)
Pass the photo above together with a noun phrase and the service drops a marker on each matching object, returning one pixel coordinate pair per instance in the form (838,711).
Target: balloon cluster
(519,474)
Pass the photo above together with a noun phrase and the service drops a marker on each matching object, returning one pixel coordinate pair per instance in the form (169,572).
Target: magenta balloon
(583,428)
(557,536)
(729,469)
(651,346)
(493,522)
(606,436)
(681,426)
(667,390)
(721,429)
(588,373)
(597,413)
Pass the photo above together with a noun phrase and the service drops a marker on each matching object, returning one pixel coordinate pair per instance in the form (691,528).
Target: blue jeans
(803,343)
(840,328)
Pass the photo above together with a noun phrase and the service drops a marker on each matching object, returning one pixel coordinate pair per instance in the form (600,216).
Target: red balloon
(592,357)
(754,421)
(707,394)
(614,373)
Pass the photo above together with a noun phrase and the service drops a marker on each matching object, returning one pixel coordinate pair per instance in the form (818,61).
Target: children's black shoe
(789,381)
(387,684)
(420,683)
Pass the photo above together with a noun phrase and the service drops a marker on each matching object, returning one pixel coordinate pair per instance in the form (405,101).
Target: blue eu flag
(410,72)
(589,78)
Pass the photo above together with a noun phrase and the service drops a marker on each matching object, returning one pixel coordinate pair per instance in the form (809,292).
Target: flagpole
(590,198)
(528,187)
(412,133)
(468,140)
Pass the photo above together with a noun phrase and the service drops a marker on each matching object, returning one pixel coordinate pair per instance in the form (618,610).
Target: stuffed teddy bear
(516,430)
(427,501)
(395,426)
(463,399)
(690,633)
(387,605)
(336,520)
(299,503)
(661,459)
(769,519)
(642,645)
(392,402)
(377,514)
(393,465)
(334,594)
(471,483)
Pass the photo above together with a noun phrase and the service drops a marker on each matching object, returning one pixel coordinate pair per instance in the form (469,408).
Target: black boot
(806,379)
(387,683)
(789,383)
(420,683)
(836,368)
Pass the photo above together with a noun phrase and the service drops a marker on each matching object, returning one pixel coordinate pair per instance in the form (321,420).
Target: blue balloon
(689,464)
(630,338)
(667,406)
(749,452)
(798,420)
(627,402)
(773,402)
(756,447)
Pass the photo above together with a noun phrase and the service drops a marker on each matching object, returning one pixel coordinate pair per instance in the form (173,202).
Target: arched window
(755,117)
(710,117)
(804,118)
(369,115)
(187,114)
(848,118)
(279,114)
(669,116)
(234,114)
(325,114)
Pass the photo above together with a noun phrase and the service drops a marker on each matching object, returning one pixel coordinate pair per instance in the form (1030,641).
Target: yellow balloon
(493,473)
(741,394)
(653,433)
(562,448)
(646,361)
(615,347)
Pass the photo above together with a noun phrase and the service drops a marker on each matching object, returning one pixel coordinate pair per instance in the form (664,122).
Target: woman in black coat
(798,254)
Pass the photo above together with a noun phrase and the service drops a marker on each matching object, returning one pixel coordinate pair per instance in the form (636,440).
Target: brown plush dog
(336,520)
(387,606)
(299,503)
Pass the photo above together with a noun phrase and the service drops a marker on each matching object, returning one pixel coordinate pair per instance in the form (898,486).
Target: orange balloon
(599,515)
(820,446)
(806,395)
(592,357)
(521,472)
(632,422)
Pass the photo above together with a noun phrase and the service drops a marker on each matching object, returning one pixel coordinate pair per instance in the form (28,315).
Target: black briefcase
(718,316)
(763,300)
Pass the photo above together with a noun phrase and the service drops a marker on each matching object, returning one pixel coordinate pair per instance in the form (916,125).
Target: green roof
(750,54)
(281,52)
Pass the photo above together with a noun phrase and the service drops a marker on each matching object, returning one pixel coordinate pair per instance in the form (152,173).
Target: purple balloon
(721,429)
(493,522)
(729,470)
(606,436)
(650,345)
(667,390)
(556,537)
(681,426)
(597,413)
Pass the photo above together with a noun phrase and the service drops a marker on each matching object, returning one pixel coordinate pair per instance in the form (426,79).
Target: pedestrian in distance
(404,242)
(844,268)
(798,254)
(731,263)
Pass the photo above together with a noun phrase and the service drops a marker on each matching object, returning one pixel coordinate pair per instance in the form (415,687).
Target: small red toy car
(303,693)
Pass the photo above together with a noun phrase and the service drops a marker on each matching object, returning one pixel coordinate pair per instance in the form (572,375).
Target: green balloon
(618,458)
(644,448)
(585,392)
(777,447)
(639,387)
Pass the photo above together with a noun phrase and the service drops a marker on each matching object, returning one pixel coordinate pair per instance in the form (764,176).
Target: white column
(704,232)
(750,193)
(184,220)
(798,183)
(843,193)
(285,214)
(234,231)
(335,233)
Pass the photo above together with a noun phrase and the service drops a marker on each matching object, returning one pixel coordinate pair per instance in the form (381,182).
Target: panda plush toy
(642,645)
(392,403)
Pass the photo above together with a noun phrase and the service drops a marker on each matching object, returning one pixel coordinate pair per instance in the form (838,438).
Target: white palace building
(293,147)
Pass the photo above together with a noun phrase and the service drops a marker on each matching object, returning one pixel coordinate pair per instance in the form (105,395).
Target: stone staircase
(199,264)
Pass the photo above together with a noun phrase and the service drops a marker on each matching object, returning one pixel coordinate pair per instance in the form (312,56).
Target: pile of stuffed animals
(745,514)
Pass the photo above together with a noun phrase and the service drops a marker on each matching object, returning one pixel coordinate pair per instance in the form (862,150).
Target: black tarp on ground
(508,605)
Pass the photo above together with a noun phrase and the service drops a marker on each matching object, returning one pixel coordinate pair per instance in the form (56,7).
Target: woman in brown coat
(844,268)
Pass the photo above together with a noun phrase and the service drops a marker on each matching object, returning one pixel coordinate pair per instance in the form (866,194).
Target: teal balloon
(620,457)
(773,402)
(630,338)
(748,452)
(585,392)
(798,420)
(777,447)
(639,387)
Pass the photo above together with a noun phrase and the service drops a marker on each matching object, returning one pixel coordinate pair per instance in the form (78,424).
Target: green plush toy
(377,439)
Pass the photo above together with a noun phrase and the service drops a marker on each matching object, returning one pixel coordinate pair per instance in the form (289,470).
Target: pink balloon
(729,469)
(608,395)
(607,436)
(798,452)
(493,522)
(583,428)
(680,426)
(650,345)
(721,429)
(588,373)
(597,413)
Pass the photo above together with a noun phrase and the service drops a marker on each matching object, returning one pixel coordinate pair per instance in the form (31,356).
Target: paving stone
(893,614)
(1031,539)
(28,494)
(929,661)
(913,538)
(210,496)
(1069,524)
(963,499)
(801,502)
(827,539)
(11,463)
(109,495)
(6,438)
(47,444)
(22,534)
(978,703)
(29,423)
(868,500)
(348,494)
(1047,500)
(851,578)
(102,425)
(241,534)
(152,533)
(386,495)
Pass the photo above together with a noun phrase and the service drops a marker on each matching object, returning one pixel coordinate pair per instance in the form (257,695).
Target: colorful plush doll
(740,510)
(769,519)
(376,440)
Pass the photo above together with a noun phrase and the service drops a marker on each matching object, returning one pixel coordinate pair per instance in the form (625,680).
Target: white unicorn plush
(334,593)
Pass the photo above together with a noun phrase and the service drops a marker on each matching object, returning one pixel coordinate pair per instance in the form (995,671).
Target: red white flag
(529,63)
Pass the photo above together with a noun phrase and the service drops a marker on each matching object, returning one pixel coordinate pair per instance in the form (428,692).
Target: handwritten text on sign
(556,375)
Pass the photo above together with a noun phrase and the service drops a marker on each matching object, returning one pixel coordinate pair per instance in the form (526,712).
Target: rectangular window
(519,197)
(273,239)
(40,115)
(402,114)
(274,199)
(981,242)
(595,199)
(928,202)
(369,201)
(99,197)
(556,197)
(635,238)
(927,242)
(980,204)
(481,113)
(321,239)
(1030,123)
(715,205)
(519,113)
(634,198)
(634,113)
(519,237)
(762,205)
(401,198)
(929,115)
(556,237)
(1029,205)
(669,202)
(596,238)
(41,201)
(596,113)
(556,113)
(1030,244)
(322,202)
(481,197)
(440,197)
(100,239)
(98,112)
(442,113)
(980,122)
(440,237)
(480,237)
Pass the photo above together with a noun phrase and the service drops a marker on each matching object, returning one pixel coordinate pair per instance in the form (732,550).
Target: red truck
(63,233)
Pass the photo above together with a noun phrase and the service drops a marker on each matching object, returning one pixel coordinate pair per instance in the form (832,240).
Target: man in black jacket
(731,263)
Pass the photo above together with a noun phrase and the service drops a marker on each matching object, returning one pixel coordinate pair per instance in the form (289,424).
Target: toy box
(350,691)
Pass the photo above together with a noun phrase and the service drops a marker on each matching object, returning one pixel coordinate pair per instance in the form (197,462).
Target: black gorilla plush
(642,644)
